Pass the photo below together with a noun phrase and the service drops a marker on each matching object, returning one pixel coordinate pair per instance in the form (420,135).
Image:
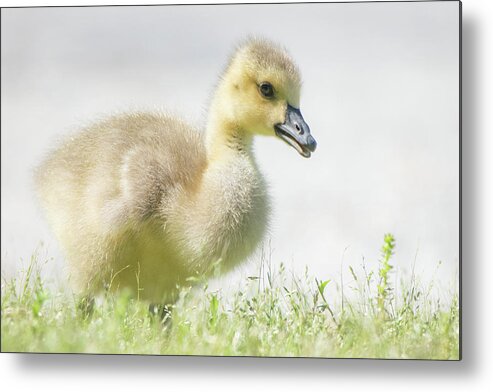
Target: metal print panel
(232,180)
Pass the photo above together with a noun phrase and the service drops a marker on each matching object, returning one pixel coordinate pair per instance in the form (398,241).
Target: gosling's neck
(225,138)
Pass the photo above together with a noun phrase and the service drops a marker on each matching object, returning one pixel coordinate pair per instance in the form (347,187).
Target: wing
(119,170)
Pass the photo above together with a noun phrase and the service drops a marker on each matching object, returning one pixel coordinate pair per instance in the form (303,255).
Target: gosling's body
(128,204)
(144,201)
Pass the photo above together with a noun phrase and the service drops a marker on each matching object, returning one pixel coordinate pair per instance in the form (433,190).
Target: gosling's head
(262,89)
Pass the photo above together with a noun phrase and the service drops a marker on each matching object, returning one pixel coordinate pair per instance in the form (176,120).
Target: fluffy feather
(144,201)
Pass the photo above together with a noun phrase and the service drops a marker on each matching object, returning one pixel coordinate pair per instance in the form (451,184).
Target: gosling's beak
(296,132)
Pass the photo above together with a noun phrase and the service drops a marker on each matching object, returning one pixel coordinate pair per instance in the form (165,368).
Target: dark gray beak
(296,132)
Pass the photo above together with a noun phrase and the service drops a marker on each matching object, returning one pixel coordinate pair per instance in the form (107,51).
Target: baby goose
(144,201)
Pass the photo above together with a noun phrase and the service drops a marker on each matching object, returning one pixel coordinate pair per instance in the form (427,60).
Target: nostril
(298,128)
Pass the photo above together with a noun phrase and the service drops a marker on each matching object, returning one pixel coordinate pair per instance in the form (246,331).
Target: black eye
(266,89)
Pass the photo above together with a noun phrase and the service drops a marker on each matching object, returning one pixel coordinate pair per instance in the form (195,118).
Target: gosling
(145,202)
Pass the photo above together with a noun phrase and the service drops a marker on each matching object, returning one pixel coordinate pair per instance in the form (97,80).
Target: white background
(50,372)
(380,93)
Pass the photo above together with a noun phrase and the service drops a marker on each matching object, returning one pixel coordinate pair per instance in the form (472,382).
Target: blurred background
(380,93)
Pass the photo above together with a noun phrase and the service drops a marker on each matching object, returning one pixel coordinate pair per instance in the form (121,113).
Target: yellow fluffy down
(144,201)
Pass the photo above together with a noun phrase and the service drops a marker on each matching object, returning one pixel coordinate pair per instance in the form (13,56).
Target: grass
(274,314)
